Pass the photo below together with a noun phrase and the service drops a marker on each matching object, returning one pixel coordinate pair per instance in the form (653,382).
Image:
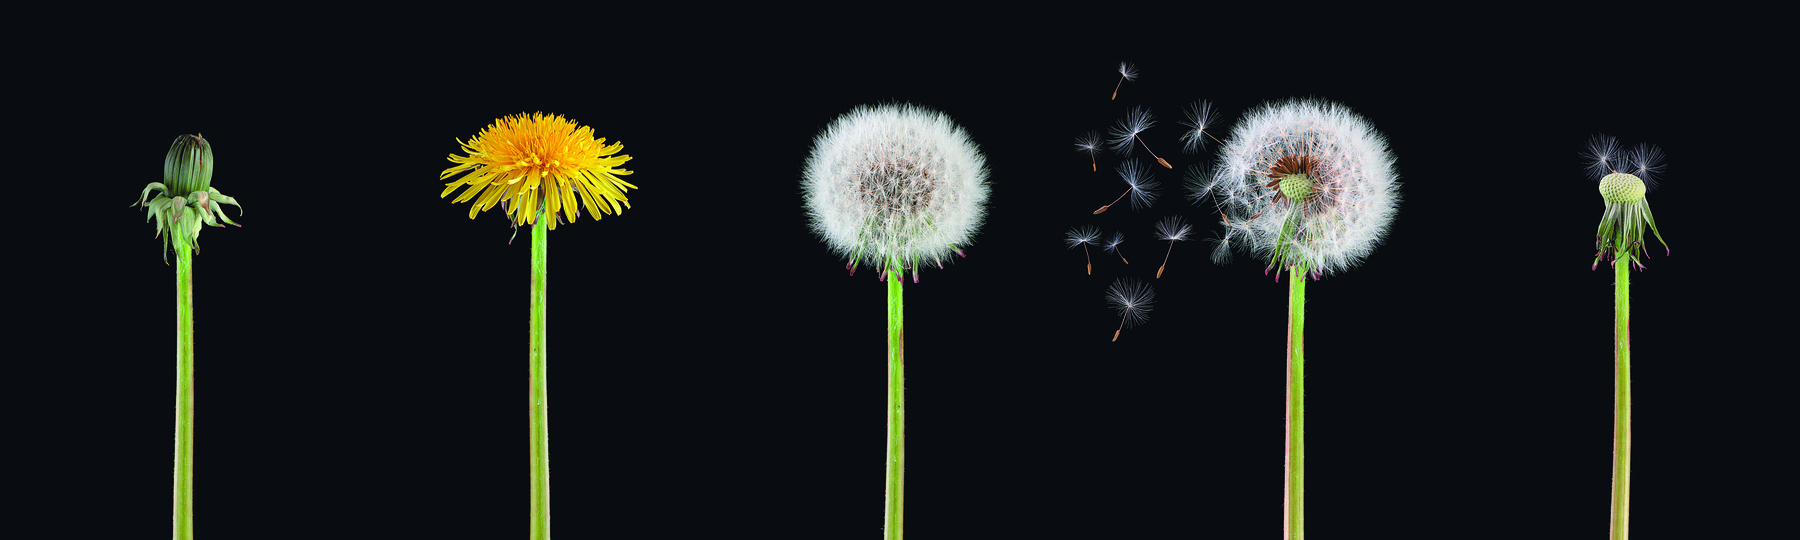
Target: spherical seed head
(1296,186)
(189,166)
(1622,188)
(891,183)
(1327,225)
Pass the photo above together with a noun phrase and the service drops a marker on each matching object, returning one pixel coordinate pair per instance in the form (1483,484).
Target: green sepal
(146,194)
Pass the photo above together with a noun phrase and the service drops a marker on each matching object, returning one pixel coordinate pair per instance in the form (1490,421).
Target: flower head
(894,185)
(186,198)
(514,156)
(1306,184)
(1132,300)
(1624,178)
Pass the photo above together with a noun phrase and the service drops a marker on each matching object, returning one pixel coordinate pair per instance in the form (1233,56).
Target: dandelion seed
(1132,300)
(1089,143)
(1127,72)
(1138,184)
(1082,236)
(1112,246)
(1199,183)
(1173,229)
(1136,120)
(1200,115)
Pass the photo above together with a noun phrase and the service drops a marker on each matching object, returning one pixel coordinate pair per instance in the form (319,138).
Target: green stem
(1293,507)
(1621,486)
(896,404)
(540,422)
(184,391)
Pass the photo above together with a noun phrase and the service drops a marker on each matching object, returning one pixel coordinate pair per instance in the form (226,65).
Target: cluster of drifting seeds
(1128,297)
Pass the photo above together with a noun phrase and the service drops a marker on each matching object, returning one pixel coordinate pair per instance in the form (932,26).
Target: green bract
(1621,234)
(186,198)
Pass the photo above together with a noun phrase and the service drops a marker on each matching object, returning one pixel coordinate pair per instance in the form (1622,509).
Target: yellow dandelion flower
(512,157)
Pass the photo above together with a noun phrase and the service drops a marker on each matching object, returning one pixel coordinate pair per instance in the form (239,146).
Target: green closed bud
(1296,186)
(1622,188)
(185,199)
(189,165)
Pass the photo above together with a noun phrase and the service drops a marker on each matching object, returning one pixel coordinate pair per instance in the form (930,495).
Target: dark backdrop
(361,342)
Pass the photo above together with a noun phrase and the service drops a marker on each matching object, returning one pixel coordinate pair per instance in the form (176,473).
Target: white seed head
(1143,189)
(1128,71)
(1131,299)
(1173,228)
(1136,120)
(1354,194)
(895,183)
(1085,234)
(1200,116)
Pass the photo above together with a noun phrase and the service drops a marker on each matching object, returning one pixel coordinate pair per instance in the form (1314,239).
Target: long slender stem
(540,421)
(184,390)
(896,405)
(1621,485)
(1293,507)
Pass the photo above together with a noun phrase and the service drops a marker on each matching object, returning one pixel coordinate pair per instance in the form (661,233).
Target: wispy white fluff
(895,183)
(1132,300)
(1142,188)
(1085,234)
(1173,229)
(1136,120)
(1128,71)
(1200,117)
(1356,189)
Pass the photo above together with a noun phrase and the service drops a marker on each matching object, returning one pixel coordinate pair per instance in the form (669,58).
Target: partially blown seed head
(1306,183)
(895,184)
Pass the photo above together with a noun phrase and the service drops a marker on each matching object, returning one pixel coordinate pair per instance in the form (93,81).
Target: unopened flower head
(895,184)
(1624,178)
(1131,300)
(1305,183)
(186,199)
(510,159)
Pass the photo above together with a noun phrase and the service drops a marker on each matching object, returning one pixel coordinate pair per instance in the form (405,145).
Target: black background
(361,342)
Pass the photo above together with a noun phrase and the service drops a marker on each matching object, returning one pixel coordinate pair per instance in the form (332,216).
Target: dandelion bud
(1622,188)
(189,165)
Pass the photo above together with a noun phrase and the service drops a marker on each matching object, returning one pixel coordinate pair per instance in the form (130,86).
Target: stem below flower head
(540,422)
(896,407)
(1621,485)
(1293,509)
(184,389)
